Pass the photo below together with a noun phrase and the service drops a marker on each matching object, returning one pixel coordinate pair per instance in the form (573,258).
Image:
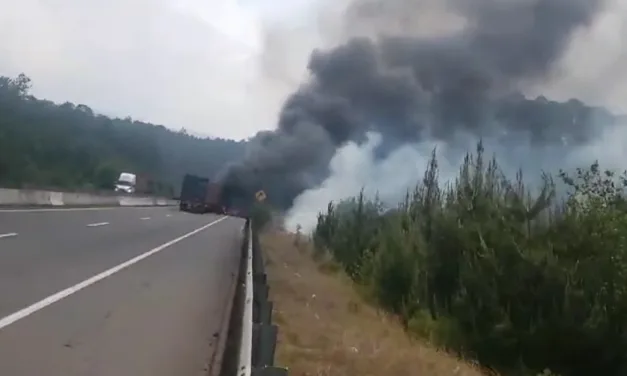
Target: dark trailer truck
(200,195)
(226,199)
(236,200)
(221,200)
(194,194)
(214,199)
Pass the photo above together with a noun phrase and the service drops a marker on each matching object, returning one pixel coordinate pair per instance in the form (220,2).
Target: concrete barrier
(136,201)
(56,198)
(85,199)
(31,197)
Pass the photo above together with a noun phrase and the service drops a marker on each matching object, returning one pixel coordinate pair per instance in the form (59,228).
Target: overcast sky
(190,63)
(198,63)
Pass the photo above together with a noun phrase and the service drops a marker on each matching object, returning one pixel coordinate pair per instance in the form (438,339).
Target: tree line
(524,282)
(69,146)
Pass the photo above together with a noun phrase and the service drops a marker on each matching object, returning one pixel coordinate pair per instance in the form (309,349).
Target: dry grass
(326,329)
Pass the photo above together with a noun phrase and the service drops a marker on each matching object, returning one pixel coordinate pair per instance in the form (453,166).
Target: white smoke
(354,167)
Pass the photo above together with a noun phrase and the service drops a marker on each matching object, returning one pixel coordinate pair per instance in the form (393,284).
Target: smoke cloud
(390,90)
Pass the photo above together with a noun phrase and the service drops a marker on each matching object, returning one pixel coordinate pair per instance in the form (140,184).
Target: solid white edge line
(245,352)
(98,224)
(12,318)
(8,235)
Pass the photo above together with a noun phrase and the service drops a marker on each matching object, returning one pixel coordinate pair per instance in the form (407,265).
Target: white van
(126,183)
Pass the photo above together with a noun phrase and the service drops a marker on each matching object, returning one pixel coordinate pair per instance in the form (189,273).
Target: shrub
(484,266)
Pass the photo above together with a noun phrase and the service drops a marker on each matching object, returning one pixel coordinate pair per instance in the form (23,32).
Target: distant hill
(69,146)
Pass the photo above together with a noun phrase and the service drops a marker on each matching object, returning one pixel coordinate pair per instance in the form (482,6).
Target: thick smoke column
(409,89)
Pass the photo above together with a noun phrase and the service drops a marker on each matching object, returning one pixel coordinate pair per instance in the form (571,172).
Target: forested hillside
(69,146)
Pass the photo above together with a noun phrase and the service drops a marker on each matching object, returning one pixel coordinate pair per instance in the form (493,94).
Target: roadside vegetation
(69,146)
(493,270)
(327,329)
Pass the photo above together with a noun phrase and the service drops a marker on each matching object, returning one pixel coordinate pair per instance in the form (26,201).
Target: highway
(114,291)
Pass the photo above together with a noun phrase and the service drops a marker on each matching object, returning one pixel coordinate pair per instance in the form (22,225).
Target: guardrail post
(261,294)
(264,336)
(265,313)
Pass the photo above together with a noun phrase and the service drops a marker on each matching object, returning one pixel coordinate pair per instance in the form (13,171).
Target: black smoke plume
(412,89)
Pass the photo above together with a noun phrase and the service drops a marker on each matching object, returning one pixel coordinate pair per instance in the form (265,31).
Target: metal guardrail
(258,335)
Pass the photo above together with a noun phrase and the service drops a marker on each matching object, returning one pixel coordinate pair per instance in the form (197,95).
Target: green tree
(485,267)
(69,146)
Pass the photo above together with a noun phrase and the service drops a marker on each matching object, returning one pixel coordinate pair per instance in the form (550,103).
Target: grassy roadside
(326,328)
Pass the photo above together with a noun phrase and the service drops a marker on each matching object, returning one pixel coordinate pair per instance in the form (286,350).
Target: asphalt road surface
(115,292)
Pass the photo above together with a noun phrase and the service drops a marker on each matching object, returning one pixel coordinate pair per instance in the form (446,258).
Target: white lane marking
(97,224)
(9,235)
(12,318)
(168,215)
(145,218)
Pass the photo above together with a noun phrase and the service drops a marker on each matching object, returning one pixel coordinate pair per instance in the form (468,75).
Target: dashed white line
(168,215)
(145,218)
(12,318)
(98,224)
(8,235)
